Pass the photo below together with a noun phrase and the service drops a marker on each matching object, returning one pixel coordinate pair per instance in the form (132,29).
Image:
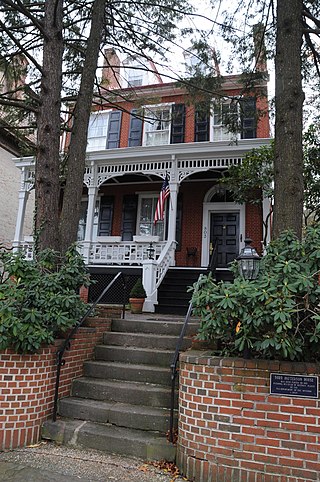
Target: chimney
(111,70)
(259,48)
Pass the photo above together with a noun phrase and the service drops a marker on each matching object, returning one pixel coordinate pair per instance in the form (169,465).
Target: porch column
(173,204)
(23,197)
(92,196)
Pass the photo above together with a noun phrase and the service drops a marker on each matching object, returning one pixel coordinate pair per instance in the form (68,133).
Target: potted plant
(137,297)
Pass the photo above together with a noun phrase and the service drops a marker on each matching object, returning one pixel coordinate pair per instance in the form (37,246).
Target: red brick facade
(27,383)
(232,429)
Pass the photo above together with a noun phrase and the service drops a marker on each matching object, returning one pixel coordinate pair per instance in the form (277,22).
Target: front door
(224,234)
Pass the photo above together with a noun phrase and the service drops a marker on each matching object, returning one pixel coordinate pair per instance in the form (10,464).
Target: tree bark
(47,186)
(288,165)
(70,213)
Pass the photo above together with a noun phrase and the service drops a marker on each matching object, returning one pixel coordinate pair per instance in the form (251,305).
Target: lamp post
(150,251)
(248,261)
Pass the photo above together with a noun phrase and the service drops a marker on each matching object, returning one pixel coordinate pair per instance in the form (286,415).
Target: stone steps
(125,371)
(122,403)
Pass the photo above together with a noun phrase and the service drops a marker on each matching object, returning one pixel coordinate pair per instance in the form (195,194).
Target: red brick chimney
(259,48)
(111,70)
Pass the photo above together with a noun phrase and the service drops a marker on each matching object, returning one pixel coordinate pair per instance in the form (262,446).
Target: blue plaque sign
(304,386)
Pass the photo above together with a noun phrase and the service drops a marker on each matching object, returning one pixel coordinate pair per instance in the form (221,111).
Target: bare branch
(23,50)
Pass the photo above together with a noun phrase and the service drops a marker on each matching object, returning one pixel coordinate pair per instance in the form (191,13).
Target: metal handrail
(174,362)
(66,343)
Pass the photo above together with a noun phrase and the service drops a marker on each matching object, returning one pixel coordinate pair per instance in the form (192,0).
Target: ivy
(39,299)
(276,316)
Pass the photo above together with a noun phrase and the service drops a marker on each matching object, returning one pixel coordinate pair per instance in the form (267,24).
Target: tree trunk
(70,213)
(288,166)
(47,186)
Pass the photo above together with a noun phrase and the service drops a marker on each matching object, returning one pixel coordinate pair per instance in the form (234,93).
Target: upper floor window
(225,121)
(157,126)
(97,131)
(104,130)
(135,78)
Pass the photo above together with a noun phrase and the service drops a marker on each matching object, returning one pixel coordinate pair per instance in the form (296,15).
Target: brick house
(148,131)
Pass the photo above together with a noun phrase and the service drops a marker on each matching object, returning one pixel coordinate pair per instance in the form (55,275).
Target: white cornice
(186,151)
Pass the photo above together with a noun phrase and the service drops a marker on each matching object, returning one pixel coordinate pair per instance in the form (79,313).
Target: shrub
(276,316)
(39,299)
(138,290)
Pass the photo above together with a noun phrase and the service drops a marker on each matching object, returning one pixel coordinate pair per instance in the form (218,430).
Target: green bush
(39,299)
(276,316)
(138,290)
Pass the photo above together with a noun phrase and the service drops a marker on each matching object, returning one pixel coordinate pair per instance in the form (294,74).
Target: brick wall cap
(199,357)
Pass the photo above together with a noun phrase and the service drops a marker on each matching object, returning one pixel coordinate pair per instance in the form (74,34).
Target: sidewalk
(48,462)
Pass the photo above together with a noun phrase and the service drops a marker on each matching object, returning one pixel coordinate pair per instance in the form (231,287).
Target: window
(145,222)
(157,126)
(225,117)
(97,131)
(134,78)
(83,220)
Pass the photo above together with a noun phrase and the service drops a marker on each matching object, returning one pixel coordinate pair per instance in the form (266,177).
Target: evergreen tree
(61,41)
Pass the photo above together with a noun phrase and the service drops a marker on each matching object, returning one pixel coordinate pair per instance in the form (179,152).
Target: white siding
(9,188)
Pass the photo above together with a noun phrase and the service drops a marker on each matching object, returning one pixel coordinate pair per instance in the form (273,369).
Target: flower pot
(136,304)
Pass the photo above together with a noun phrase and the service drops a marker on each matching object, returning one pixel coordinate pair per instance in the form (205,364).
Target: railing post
(149,270)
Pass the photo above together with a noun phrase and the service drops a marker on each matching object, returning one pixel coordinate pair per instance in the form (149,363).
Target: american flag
(164,193)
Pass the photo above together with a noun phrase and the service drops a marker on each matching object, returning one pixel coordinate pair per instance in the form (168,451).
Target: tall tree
(289,35)
(62,41)
(288,161)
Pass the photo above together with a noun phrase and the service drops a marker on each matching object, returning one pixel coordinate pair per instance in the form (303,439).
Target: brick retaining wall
(27,382)
(232,429)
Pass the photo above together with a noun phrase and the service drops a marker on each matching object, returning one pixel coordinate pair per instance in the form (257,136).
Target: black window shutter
(202,124)
(179,223)
(248,118)
(105,216)
(135,130)
(113,136)
(129,217)
(178,123)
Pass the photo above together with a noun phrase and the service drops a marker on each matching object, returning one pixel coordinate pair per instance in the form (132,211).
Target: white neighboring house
(10,186)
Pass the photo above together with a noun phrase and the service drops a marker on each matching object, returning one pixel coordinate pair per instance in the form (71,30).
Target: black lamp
(248,261)
(150,251)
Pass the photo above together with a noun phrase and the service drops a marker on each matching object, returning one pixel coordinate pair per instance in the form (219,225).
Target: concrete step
(159,326)
(118,391)
(109,438)
(134,355)
(120,414)
(127,371)
(145,340)
(166,308)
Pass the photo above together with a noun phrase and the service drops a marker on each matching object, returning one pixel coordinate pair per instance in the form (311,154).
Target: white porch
(178,161)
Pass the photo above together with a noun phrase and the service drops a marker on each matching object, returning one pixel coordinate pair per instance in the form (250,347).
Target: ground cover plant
(276,316)
(39,300)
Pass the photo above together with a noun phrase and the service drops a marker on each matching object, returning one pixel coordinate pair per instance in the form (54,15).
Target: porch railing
(120,252)
(165,260)
(124,253)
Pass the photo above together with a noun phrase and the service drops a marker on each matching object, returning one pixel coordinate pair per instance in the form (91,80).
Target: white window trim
(167,105)
(96,216)
(96,113)
(148,195)
(231,136)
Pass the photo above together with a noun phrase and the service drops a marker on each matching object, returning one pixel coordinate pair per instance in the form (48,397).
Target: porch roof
(178,160)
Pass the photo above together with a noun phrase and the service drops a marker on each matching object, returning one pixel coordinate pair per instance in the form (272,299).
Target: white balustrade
(125,253)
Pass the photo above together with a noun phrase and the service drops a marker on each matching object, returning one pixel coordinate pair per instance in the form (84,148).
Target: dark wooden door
(224,232)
